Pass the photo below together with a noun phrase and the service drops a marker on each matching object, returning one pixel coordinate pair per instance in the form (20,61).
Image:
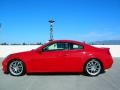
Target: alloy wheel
(93,67)
(16,68)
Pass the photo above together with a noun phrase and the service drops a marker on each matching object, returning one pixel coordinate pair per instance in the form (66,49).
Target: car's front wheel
(93,67)
(16,68)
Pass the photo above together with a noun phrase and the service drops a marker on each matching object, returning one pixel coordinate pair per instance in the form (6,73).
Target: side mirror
(45,49)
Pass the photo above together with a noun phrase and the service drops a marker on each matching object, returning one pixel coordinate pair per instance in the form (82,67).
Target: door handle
(66,54)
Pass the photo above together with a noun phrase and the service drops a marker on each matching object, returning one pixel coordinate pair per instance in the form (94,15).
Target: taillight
(108,52)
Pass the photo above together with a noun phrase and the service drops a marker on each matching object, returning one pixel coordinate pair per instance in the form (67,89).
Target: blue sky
(82,20)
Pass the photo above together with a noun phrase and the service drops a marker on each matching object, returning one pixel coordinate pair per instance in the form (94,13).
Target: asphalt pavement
(110,80)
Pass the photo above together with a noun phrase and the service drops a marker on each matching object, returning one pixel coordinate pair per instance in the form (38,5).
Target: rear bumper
(108,62)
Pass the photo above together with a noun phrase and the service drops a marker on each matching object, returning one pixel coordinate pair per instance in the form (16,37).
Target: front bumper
(4,67)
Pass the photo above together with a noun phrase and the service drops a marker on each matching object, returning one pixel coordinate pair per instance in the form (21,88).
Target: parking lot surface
(110,80)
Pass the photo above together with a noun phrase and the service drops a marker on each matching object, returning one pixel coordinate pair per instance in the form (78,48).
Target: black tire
(16,68)
(93,67)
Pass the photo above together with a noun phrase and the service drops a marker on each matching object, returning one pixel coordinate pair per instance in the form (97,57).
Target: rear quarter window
(76,46)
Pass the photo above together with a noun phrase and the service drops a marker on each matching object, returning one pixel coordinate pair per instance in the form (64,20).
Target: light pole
(51,29)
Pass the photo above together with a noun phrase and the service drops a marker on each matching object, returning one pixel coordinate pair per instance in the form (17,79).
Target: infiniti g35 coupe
(59,56)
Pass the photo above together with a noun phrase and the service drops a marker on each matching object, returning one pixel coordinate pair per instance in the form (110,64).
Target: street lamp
(51,29)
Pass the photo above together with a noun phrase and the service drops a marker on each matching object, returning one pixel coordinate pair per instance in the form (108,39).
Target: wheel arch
(95,59)
(18,60)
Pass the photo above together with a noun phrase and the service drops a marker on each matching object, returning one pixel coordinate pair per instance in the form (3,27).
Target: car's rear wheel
(16,68)
(93,67)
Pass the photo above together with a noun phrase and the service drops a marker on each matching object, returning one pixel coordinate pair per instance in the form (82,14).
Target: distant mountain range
(106,42)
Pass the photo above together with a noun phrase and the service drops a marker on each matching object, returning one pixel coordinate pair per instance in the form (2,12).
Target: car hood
(20,55)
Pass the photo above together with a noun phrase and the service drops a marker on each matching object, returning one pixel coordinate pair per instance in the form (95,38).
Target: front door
(52,58)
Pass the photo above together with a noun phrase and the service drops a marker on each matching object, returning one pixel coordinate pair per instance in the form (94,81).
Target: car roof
(69,41)
(73,41)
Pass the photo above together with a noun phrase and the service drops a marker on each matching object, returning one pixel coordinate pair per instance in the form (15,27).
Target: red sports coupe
(59,56)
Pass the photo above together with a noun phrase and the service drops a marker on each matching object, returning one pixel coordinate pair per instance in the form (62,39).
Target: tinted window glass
(56,46)
(76,46)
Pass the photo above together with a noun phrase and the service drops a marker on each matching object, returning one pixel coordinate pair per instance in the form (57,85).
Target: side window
(52,47)
(75,46)
(56,46)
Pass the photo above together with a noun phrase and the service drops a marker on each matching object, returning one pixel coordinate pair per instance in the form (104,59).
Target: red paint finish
(70,56)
